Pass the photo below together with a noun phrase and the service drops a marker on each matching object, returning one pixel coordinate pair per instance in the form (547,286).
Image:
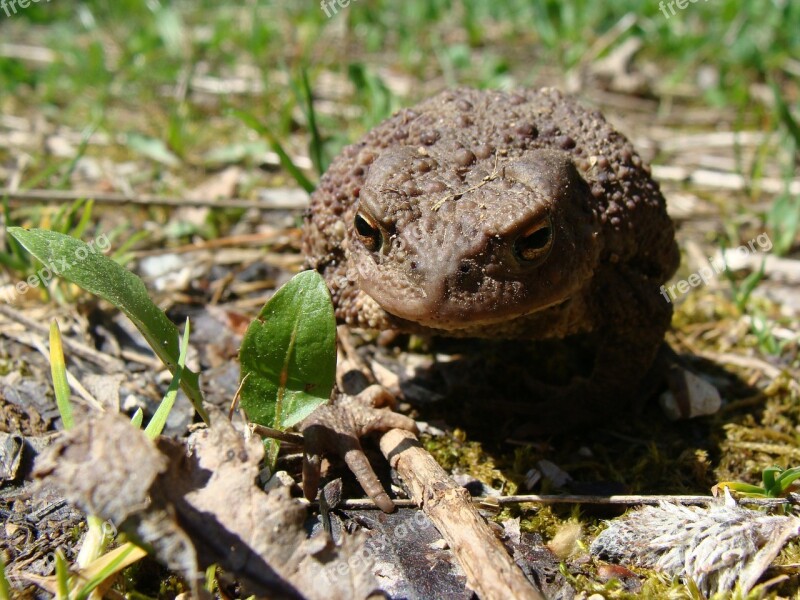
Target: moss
(457,454)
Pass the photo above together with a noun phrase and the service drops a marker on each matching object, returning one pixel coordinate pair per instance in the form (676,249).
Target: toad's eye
(368,232)
(535,243)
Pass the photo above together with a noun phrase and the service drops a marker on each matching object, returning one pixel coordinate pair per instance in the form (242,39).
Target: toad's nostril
(467,277)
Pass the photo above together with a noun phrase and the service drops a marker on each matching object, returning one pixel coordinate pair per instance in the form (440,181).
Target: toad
(485,214)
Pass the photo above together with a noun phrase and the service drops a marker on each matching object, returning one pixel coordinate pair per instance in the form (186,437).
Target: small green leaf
(5,587)
(211,579)
(288,354)
(137,418)
(768,478)
(742,488)
(106,566)
(62,576)
(786,479)
(235,152)
(58,370)
(87,267)
(159,420)
(153,149)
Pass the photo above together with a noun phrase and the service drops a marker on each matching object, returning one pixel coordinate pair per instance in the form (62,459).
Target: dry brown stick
(722,179)
(106,198)
(233,241)
(633,500)
(109,363)
(275,434)
(490,570)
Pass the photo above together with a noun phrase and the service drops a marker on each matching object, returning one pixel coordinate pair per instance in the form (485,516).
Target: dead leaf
(105,465)
(198,505)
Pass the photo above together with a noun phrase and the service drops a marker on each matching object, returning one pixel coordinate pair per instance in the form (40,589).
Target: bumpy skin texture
(501,215)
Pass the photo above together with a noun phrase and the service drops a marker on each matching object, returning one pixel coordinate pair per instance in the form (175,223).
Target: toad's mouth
(454,316)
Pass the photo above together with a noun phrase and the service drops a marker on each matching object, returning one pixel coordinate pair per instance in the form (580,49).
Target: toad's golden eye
(535,243)
(368,232)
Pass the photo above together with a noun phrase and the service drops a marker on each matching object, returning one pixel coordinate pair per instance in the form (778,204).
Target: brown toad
(501,215)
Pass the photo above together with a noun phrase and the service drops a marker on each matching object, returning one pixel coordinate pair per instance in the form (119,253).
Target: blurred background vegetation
(141,71)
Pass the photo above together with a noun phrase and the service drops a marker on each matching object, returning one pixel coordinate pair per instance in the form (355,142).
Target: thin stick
(632,500)
(109,363)
(71,196)
(491,572)
(275,434)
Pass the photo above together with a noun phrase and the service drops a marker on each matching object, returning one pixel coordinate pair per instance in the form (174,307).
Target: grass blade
(62,577)
(5,587)
(137,418)
(285,159)
(159,420)
(58,369)
(107,565)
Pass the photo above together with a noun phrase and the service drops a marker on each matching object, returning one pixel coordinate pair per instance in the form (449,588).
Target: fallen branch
(491,571)
(289,202)
(620,500)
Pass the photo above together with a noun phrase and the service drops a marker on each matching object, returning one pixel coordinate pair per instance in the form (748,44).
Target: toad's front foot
(337,429)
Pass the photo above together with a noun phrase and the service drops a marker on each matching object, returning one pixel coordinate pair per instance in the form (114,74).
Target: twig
(104,361)
(234,241)
(773,449)
(100,198)
(618,500)
(490,177)
(626,500)
(491,572)
(283,436)
(749,362)
(723,180)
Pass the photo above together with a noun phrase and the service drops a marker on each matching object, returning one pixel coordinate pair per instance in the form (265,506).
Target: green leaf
(159,420)
(236,152)
(15,258)
(58,370)
(62,576)
(170,27)
(742,488)
(768,479)
(137,418)
(785,113)
(153,149)
(786,479)
(87,267)
(106,566)
(750,282)
(5,587)
(288,354)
